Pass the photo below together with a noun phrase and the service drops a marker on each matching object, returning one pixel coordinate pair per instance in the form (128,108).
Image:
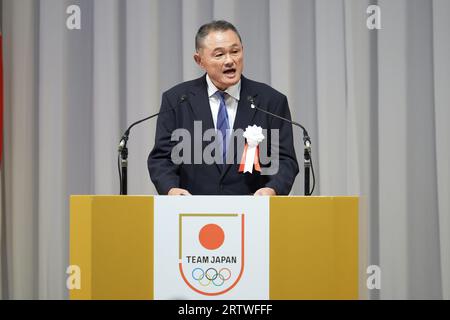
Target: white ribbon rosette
(250,157)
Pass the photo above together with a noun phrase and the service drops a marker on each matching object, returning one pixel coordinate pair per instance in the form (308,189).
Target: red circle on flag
(211,236)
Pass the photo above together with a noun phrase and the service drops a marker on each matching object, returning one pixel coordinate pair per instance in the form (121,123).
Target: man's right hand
(178,192)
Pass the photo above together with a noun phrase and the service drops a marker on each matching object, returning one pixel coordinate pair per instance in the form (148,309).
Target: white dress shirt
(231,101)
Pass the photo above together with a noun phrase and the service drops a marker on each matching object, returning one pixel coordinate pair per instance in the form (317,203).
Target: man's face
(221,56)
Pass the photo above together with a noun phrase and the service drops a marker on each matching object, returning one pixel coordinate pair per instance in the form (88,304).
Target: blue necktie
(222,123)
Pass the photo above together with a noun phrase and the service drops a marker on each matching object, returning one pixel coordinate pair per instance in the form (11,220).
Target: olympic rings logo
(205,278)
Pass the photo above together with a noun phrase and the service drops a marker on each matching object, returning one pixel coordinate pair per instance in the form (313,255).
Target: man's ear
(198,59)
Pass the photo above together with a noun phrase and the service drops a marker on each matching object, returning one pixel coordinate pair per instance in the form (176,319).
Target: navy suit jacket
(218,179)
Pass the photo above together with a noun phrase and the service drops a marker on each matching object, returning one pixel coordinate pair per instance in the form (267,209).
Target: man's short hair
(216,25)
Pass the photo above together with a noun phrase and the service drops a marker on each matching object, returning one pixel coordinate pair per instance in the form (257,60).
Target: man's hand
(178,192)
(265,192)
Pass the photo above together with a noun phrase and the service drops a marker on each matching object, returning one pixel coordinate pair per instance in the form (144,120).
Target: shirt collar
(234,91)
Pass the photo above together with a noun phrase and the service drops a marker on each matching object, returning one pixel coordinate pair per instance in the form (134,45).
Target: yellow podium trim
(96,246)
(314,248)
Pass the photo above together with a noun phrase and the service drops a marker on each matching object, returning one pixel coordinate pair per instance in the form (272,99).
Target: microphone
(124,139)
(122,161)
(306,138)
(306,141)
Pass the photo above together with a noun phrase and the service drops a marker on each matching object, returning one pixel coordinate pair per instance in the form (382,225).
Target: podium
(308,248)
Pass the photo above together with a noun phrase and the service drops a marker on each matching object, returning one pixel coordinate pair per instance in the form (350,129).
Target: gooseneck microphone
(122,161)
(306,141)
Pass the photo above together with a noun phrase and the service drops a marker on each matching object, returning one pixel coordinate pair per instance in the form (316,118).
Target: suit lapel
(199,102)
(245,113)
(244,116)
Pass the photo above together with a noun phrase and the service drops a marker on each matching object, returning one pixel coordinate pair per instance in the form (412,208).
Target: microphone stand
(307,162)
(123,150)
(123,156)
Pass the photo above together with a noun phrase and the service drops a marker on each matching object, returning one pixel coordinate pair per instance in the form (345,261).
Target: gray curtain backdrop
(376,103)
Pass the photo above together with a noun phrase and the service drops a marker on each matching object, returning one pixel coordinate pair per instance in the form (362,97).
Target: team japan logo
(211,251)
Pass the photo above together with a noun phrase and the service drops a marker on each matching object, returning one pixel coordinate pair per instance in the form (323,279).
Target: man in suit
(220,100)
